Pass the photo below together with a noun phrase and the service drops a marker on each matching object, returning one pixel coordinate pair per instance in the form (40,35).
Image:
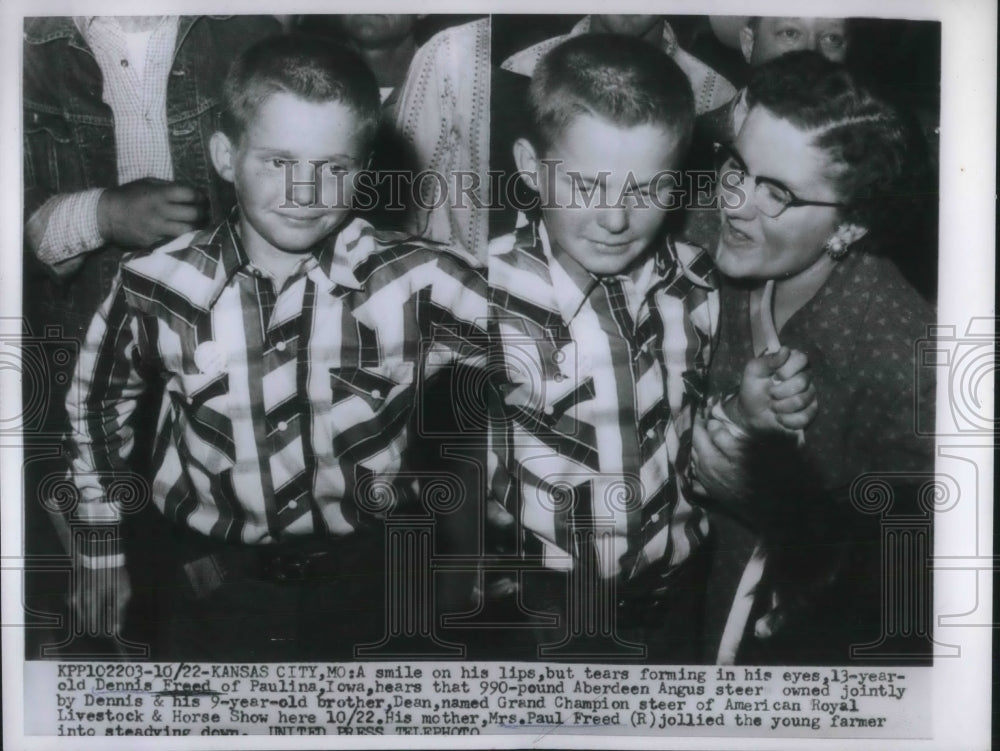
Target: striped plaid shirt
(599,380)
(285,411)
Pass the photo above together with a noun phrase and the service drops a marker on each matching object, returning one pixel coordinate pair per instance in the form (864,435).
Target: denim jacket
(69,140)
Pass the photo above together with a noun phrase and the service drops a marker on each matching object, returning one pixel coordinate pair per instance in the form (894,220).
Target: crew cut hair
(613,77)
(308,67)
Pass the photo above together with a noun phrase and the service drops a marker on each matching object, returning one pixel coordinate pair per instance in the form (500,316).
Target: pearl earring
(842,239)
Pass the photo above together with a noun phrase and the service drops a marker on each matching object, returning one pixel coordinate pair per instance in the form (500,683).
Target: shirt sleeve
(102,398)
(64,229)
(456,310)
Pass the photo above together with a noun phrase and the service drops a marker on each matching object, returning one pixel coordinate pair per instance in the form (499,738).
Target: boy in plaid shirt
(291,340)
(603,328)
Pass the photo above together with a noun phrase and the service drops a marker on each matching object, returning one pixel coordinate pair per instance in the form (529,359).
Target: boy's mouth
(612,246)
(300,220)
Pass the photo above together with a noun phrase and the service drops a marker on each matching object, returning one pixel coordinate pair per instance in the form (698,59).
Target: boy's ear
(221,150)
(746,42)
(526,159)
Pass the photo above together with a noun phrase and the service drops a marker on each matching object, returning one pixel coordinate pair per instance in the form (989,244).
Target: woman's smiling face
(755,246)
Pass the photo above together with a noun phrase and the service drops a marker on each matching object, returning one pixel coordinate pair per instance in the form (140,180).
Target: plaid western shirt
(285,411)
(599,378)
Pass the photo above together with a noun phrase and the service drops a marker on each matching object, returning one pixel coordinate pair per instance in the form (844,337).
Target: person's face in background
(649,28)
(378,30)
(769,38)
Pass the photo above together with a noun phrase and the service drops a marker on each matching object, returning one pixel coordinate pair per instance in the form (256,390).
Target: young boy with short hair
(603,328)
(291,339)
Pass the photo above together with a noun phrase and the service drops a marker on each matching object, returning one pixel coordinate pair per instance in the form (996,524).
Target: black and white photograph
(559,378)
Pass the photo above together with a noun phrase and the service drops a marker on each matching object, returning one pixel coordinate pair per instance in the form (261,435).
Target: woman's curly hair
(874,153)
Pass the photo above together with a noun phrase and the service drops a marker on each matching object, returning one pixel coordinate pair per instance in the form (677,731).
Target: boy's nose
(307,193)
(613,219)
(304,195)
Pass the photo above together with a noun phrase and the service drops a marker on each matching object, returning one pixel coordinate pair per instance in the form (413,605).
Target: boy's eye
(336,169)
(278,163)
(832,41)
(578,182)
(639,193)
(640,199)
(789,34)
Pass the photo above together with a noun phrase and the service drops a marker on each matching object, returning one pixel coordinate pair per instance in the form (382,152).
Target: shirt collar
(78,28)
(335,257)
(46,29)
(571,283)
(88,25)
(341,253)
(574,283)
(694,264)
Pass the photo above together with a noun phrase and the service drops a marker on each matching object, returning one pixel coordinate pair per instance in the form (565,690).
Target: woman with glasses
(811,192)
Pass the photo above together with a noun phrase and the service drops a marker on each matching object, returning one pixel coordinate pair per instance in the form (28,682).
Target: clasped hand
(776,397)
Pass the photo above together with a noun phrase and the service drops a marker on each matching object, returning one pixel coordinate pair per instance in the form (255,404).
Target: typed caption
(170,699)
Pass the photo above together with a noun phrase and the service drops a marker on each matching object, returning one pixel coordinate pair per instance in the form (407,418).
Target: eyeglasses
(770,196)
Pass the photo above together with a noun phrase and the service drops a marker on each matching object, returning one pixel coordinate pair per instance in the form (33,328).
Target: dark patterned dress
(820,510)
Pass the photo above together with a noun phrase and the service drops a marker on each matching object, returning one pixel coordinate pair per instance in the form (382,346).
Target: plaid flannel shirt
(599,379)
(285,411)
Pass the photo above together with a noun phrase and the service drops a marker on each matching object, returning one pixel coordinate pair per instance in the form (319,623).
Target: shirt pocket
(202,407)
(374,387)
(48,150)
(556,399)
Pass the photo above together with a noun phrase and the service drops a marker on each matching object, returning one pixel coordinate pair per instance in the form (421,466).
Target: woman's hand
(776,394)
